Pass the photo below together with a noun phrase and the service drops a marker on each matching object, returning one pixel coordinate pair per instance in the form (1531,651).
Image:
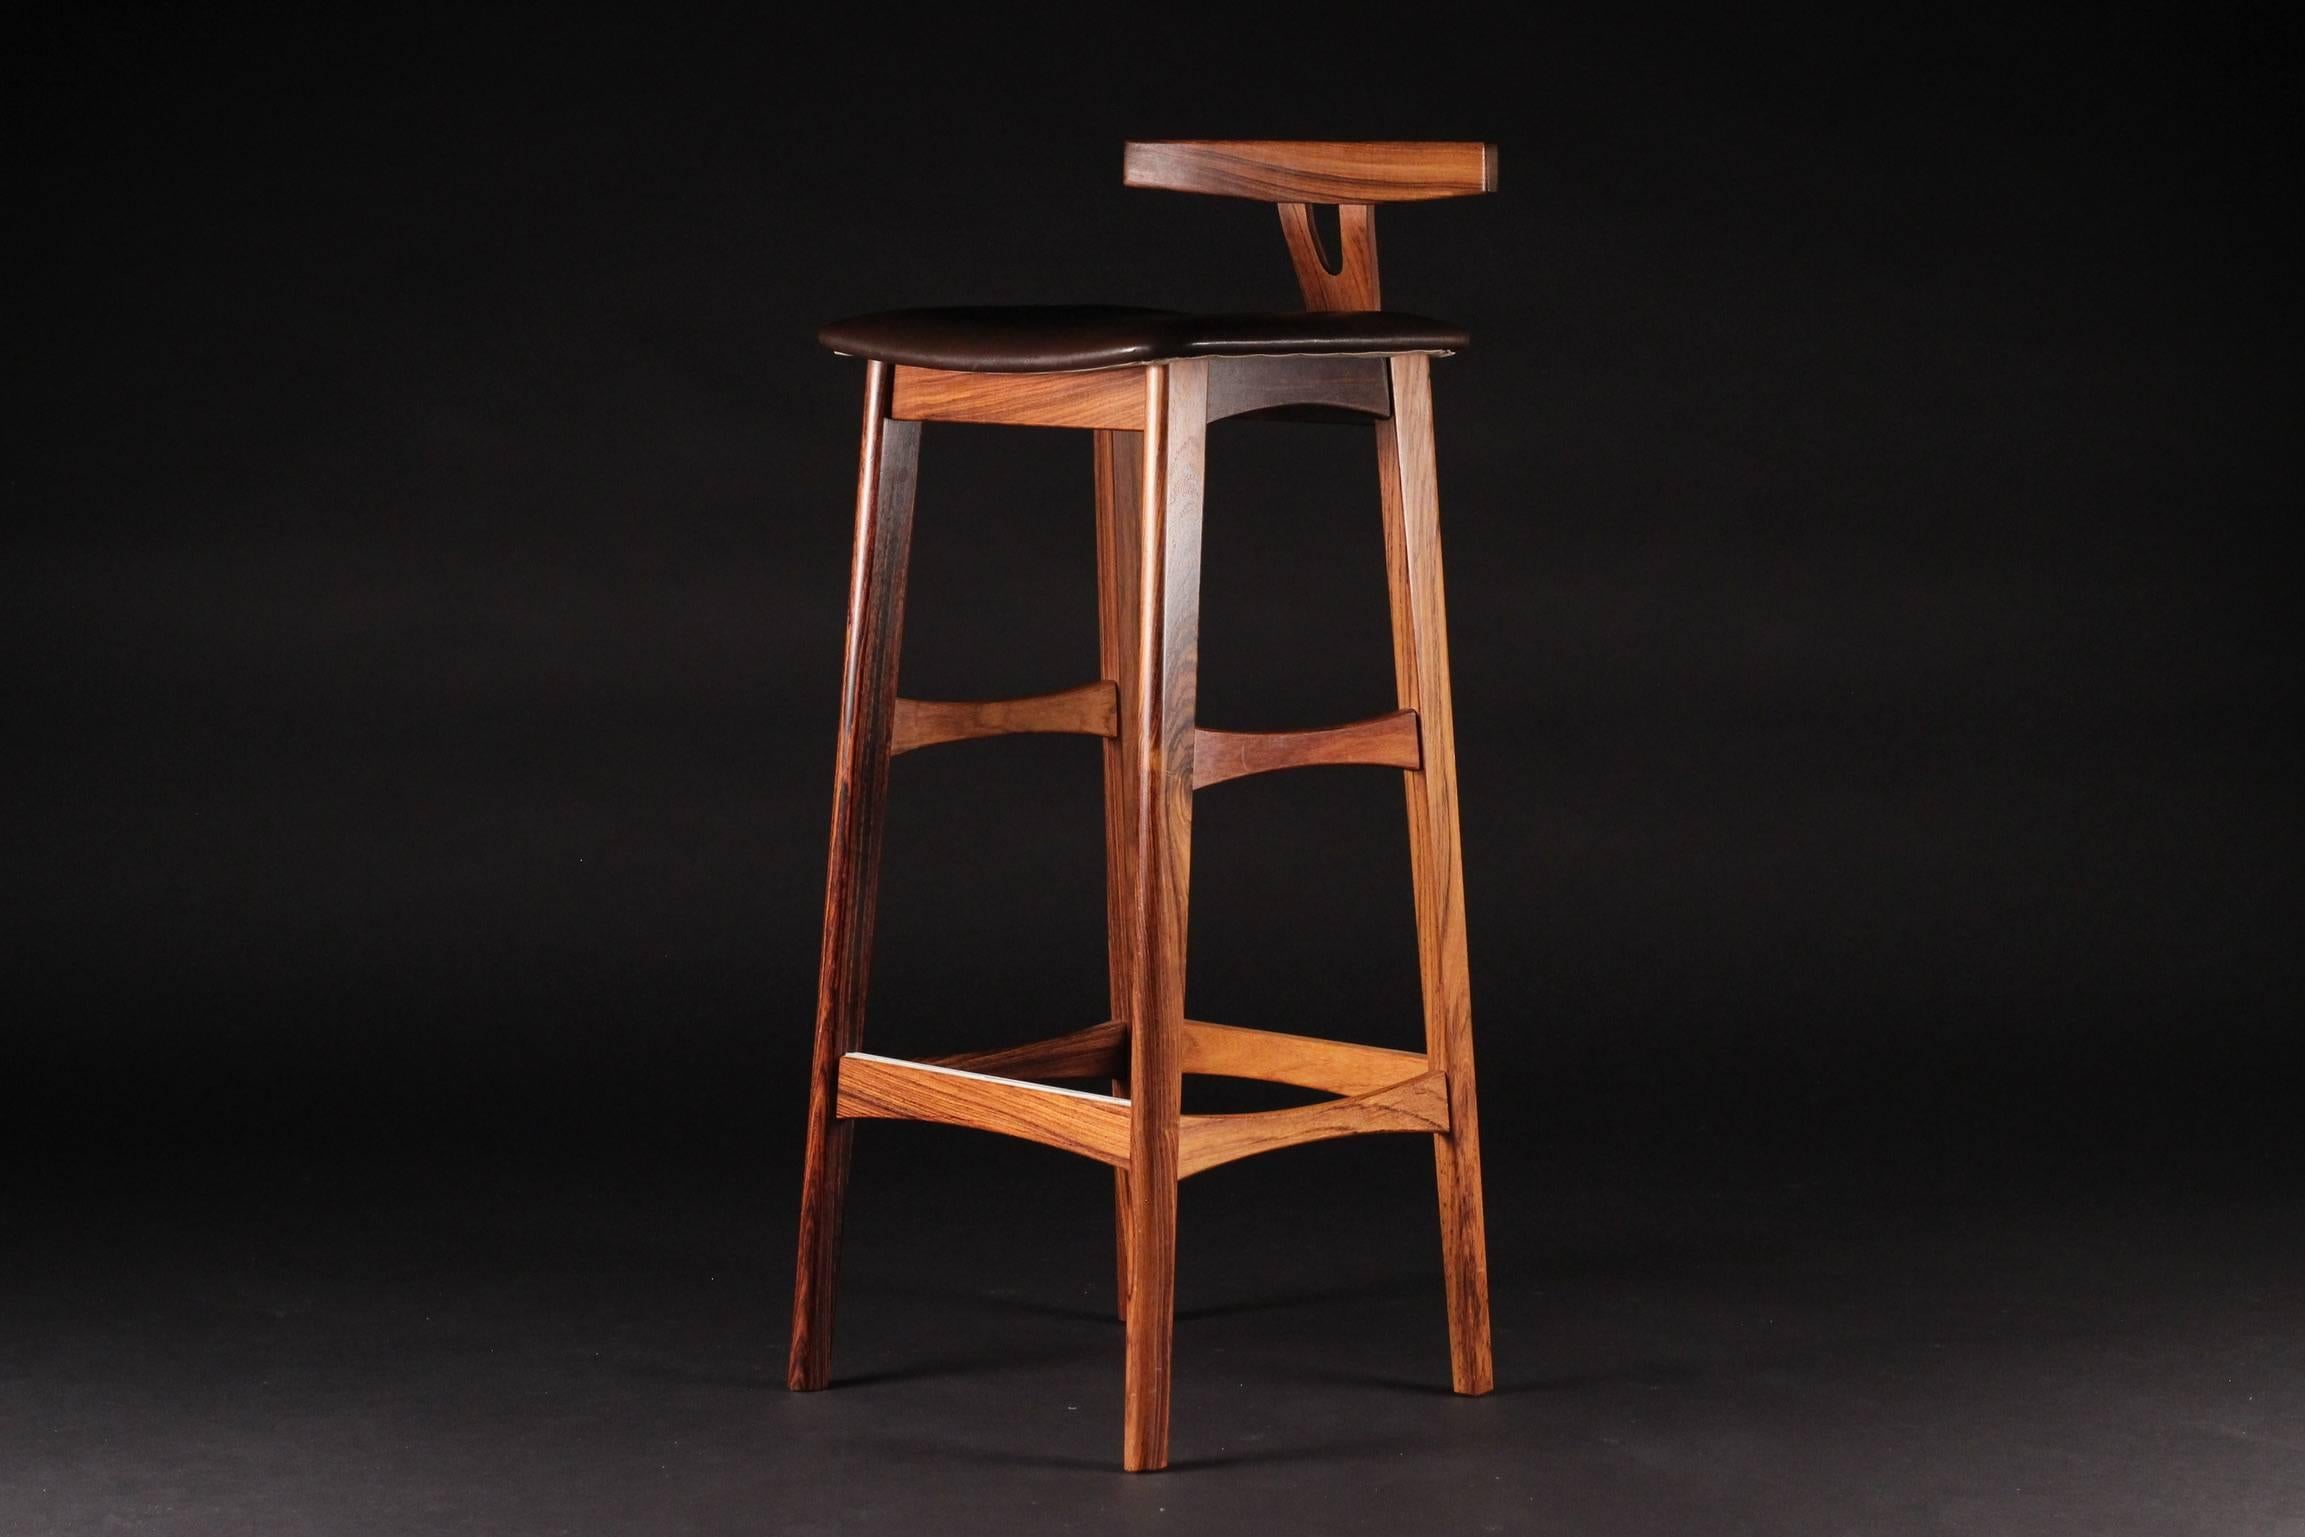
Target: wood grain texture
(1100,1051)
(1093,1125)
(1312,171)
(1205,1141)
(1159,728)
(1411,503)
(1100,397)
(1270,1056)
(1388,741)
(1118,465)
(1349,280)
(1299,388)
(1093,709)
(888,465)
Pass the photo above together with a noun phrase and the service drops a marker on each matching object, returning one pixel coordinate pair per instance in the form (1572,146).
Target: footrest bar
(885,1088)
(1100,1051)
(1097,1125)
(1340,1067)
(1215,1051)
(1205,1141)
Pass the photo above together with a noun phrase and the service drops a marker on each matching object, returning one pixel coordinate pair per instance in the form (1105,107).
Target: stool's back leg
(1158,716)
(1421,665)
(1118,469)
(886,472)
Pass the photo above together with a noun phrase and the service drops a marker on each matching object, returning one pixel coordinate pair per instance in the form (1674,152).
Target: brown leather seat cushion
(1023,339)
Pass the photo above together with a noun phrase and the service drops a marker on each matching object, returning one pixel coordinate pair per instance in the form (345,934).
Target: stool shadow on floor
(995,1358)
(986,1302)
(918,1449)
(1313,1298)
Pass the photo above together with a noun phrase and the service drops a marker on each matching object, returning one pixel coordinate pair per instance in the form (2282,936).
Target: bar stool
(1147,383)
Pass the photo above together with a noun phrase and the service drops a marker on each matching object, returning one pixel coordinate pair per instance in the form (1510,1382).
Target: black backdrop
(427,528)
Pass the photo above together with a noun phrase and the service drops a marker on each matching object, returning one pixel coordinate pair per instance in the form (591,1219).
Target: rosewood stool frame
(1149,424)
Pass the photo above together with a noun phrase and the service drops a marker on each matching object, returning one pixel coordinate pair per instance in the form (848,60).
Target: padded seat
(1026,339)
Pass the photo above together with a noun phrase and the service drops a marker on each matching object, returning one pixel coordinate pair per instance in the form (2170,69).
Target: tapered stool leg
(1119,461)
(886,473)
(1158,724)
(1421,665)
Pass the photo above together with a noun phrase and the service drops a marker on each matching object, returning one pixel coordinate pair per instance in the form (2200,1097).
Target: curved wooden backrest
(1294,174)
(1312,170)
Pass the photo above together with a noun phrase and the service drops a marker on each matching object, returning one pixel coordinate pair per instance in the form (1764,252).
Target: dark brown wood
(1097,397)
(1312,171)
(1100,1051)
(1343,280)
(1089,710)
(1093,1125)
(1159,728)
(1436,861)
(888,465)
(1419,1105)
(1119,470)
(1388,741)
(1300,388)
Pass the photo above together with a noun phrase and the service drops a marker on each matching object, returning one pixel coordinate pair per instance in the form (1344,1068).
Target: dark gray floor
(208,1349)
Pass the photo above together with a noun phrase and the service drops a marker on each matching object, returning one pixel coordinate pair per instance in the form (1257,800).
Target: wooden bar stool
(1147,383)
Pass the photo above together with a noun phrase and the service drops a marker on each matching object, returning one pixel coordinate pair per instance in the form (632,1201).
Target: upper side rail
(1312,170)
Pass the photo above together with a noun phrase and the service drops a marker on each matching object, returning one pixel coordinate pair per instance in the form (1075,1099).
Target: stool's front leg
(886,472)
(1158,727)
(1436,858)
(1119,471)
